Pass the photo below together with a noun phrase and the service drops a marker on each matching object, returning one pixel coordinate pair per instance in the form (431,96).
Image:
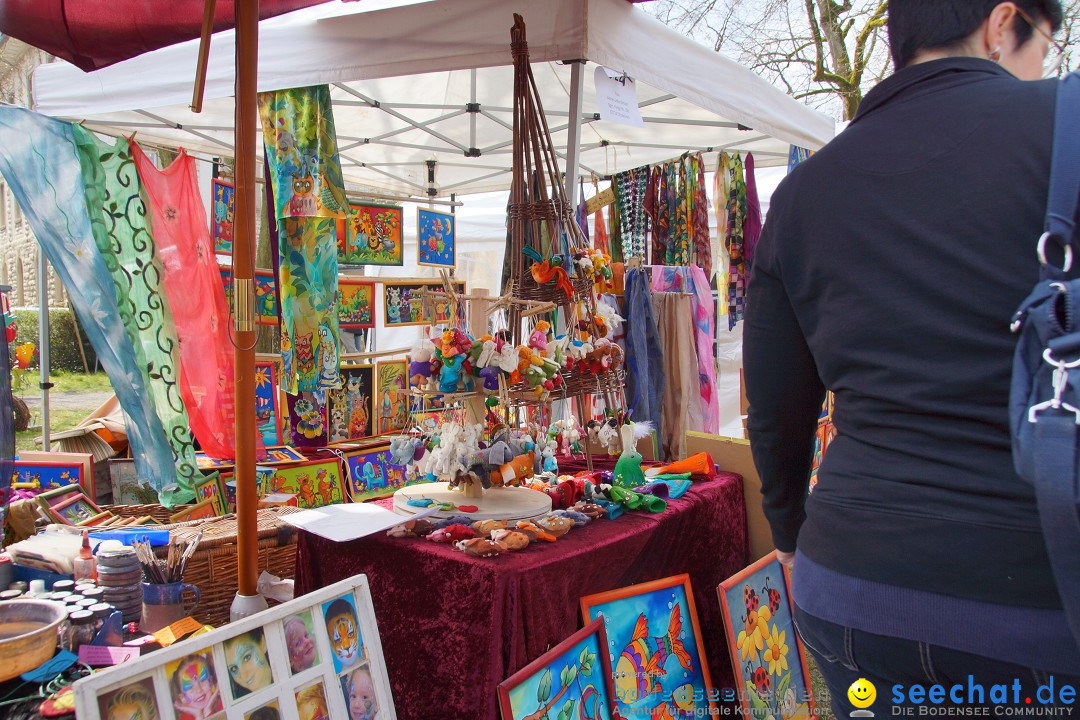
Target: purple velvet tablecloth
(453,627)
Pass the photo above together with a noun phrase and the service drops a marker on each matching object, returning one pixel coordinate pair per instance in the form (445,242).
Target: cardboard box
(733,455)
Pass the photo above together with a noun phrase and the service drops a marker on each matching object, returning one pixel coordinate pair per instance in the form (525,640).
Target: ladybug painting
(774,597)
(761,681)
(751,599)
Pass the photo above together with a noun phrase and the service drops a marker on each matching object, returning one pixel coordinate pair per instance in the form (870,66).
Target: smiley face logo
(862,693)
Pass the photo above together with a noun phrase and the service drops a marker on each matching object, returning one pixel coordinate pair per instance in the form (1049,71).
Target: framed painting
(86,460)
(638,620)
(356,303)
(75,510)
(267,405)
(371,235)
(403,303)
(127,489)
(436,238)
(275,455)
(266,297)
(212,488)
(372,474)
(44,476)
(201,510)
(572,679)
(351,408)
(246,669)
(315,483)
(392,392)
(221,226)
(766,652)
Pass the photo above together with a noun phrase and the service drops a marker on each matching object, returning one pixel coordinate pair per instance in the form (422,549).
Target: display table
(453,627)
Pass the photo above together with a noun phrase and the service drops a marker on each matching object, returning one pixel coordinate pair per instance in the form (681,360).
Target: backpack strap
(1057,428)
(1064,176)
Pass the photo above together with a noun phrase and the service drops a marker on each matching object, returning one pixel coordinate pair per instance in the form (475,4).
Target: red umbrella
(93,34)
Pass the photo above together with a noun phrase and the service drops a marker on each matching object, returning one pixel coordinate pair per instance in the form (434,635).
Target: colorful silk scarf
(657,219)
(721,189)
(736,214)
(600,236)
(40,164)
(305,172)
(692,280)
(582,212)
(119,222)
(678,247)
(752,223)
(700,216)
(644,352)
(796,155)
(630,201)
(193,287)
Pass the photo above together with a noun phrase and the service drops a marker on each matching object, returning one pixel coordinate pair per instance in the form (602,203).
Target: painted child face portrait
(249,667)
(344,632)
(135,702)
(300,644)
(311,703)
(194,688)
(360,695)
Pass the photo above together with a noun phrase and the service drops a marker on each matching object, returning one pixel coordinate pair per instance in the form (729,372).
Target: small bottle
(85,565)
(38,591)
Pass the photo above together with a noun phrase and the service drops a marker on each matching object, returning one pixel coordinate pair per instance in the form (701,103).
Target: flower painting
(572,680)
(765,651)
(371,236)
(392,388)
(356,304)
(436,238)
(222,223)
(654,643)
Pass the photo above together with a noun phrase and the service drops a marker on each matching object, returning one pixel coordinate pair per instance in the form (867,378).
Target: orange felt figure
(699,465)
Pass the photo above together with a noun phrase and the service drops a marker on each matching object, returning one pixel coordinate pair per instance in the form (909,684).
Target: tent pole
(43,341)
(573,131)
(247,601)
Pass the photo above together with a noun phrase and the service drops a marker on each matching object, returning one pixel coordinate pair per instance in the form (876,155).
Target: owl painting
(302,203)
(305,356)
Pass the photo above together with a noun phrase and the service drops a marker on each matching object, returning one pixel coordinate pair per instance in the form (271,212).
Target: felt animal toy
(405,451)
(608,436)
(479,547)
(628,472)
(452,534)
(578,518)
(420,365)
(534,531)
(557,526)
(485,527)
(590,510)
(511,539)
(538,340)
(452,520)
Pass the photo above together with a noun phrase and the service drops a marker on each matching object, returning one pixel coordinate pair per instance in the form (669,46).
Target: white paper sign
(349,521)
(616,98)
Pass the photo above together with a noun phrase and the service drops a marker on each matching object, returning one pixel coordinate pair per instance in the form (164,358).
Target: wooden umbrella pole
(247,118)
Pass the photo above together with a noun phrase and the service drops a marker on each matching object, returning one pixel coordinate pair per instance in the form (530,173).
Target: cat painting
(305,359)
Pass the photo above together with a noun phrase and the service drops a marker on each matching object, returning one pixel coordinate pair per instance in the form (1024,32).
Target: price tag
(616,98)
(98,655)
(600,200)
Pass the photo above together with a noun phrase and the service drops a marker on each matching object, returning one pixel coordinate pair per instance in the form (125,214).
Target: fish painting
(643,660)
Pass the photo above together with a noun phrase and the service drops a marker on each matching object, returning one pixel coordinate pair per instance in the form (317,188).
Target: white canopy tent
(447,128)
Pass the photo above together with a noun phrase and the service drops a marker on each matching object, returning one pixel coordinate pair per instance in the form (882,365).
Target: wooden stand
(496,504)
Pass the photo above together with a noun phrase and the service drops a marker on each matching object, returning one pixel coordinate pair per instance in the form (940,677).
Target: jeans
(910,670)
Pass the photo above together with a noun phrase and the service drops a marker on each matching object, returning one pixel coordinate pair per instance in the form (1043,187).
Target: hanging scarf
(582,212)
(678,249)
(721,189)
(656,209)
(193,287)
(301,149)
(600,236)
(700,216)
(615,236)
(796,155)
(644,351)
(119,222)
(752,223)
(630,201)
(40,164)
(736,214)
(693,280)
(7,420)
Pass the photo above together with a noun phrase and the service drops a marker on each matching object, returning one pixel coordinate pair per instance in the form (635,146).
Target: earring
(995,54)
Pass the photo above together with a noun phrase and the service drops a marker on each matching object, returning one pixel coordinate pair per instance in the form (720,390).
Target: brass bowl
(28,634)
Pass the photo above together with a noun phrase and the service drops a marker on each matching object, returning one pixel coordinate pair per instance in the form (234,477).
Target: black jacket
(888,271)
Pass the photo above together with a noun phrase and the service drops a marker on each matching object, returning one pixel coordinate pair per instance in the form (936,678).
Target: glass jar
(80,630)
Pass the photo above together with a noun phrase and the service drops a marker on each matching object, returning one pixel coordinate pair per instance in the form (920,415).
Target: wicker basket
(213,567)
(526,288)
(160,513)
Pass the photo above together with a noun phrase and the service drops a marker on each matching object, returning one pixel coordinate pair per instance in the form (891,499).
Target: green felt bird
(628,472)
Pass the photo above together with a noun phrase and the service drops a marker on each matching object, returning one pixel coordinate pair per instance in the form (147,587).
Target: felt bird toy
(628,472)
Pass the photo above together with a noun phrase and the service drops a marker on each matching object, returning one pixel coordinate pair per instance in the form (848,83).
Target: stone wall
(18,247)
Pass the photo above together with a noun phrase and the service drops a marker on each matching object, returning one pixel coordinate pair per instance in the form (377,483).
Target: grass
(59,419)
(821,693)
(65,382)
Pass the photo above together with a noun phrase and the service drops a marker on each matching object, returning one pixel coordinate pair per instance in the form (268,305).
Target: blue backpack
(1044,401)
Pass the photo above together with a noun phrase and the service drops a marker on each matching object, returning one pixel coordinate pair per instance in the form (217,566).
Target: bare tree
(825,52)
